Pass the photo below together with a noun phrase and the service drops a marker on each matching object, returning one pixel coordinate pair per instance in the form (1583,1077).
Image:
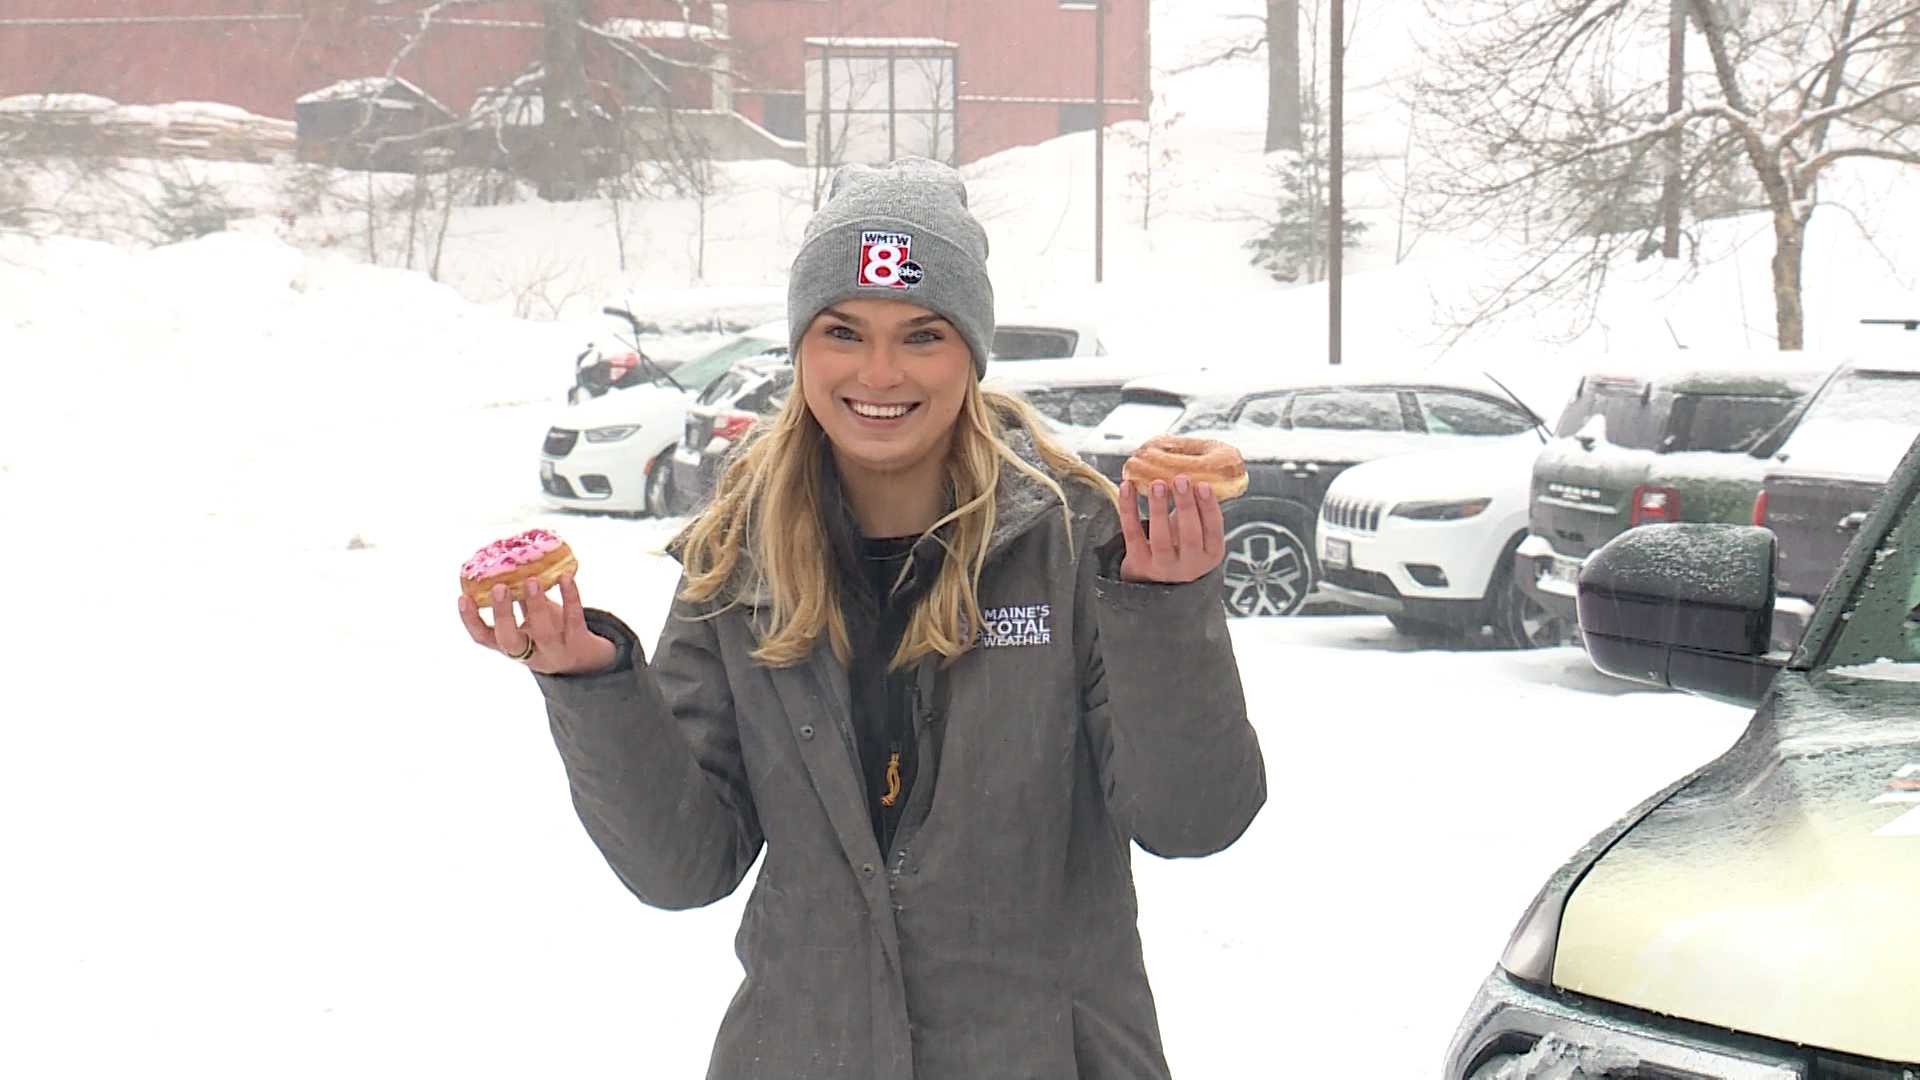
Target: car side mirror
(1689,607)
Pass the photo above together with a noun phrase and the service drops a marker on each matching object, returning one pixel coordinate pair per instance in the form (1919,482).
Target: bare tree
(576,122)
(674,160)
(1149,140)
(1275,34)
(1554,113)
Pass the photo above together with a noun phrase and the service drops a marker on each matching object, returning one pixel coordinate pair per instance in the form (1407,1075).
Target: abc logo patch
(886,261)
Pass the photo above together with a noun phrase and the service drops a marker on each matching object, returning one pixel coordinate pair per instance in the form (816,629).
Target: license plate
(1338,554)
(546,470)
(1565,570)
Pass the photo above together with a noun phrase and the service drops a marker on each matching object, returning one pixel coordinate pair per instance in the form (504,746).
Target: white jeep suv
(1428,539)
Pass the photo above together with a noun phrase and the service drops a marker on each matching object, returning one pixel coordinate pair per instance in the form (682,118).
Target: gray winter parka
(998,939)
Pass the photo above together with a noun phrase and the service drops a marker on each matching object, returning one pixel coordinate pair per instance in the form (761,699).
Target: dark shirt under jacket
(877,602)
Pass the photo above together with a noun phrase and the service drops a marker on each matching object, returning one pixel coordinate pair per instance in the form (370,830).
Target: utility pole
(1676,100)
(1336,200)
(1099,140)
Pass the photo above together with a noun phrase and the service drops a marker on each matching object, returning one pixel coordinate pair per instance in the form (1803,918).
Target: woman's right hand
(562,644)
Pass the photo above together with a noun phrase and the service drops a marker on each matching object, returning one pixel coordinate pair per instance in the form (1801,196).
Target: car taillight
(1652,505)
(1760,509)
(730,426)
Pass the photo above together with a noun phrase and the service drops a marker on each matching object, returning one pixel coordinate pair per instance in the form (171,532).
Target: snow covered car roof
(1767,373)
(1069,371)
(1207,382)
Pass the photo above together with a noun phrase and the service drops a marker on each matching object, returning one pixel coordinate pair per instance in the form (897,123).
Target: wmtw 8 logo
(886,261)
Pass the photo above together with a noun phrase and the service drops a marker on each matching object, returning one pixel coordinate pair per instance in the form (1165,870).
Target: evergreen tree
(1293,246)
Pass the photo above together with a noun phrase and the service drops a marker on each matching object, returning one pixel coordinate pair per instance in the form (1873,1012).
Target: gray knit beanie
(899,231)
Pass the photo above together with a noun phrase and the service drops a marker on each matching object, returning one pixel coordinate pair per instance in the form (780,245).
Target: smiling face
(885,379)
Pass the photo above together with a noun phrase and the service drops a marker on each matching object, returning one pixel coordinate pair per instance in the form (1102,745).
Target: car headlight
(611,434)
(1441,510)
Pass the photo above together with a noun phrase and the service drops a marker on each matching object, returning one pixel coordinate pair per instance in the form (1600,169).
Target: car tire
(660,485)
(1269,562)
(1518,620)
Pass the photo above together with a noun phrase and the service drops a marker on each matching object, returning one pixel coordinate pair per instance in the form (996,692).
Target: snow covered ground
(269,813)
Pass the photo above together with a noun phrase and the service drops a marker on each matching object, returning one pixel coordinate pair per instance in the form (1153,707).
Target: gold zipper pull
(893,780)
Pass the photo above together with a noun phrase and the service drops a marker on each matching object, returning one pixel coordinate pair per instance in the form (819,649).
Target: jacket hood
(1776,893)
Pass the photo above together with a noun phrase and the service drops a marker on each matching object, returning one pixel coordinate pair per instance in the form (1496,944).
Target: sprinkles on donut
(535,553)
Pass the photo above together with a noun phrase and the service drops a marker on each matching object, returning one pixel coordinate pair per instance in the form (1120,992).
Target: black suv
(1634,450)
(1827,471)
(1297,435)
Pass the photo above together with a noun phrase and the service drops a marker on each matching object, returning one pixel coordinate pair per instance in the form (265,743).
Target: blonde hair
(768,509)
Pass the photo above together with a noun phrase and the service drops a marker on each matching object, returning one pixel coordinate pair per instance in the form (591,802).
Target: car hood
(1776,894)
(644,404)
(1502,469)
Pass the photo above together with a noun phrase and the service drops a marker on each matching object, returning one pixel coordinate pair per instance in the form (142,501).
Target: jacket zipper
(921,717)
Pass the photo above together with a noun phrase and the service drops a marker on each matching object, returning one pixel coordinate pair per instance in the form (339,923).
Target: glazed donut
(510,562)
(1203,461)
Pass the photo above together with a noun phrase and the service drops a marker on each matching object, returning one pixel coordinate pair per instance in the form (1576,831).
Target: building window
(876,99)
(786,115)
(1078,116)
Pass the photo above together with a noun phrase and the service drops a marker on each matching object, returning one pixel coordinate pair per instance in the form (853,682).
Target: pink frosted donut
(535,553)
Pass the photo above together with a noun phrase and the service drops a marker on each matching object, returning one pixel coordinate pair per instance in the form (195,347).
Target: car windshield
(726,386)
(1868,397)
(702,370)
(1722,422)
(1137,421)
(1625,407)
(1347,410)
(1032,343)
(1859,425)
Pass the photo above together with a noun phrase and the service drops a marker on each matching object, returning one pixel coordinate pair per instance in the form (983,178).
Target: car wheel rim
(1536,625)
(1267,572)
(657,488)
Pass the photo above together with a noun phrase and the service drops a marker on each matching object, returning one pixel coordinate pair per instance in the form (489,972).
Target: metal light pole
(1099,139)
(1676,100)
(1336,194)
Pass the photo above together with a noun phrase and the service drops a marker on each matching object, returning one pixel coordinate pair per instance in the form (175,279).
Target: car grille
(1366,581)
(1355,514)
(558,486)
(559,442)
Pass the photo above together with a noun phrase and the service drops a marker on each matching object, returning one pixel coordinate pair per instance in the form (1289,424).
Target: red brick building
(865,78)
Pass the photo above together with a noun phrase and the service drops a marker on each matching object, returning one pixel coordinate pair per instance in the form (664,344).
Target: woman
(918,656)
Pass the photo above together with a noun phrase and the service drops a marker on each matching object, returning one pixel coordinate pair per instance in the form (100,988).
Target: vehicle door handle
(1852,522)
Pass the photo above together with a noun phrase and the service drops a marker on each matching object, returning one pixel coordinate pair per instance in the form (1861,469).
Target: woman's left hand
(1183,541)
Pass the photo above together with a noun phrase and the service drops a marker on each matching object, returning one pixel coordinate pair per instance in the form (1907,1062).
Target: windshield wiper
(658,371)
(1539,425)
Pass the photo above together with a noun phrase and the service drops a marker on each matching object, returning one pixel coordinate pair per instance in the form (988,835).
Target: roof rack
(1907,324)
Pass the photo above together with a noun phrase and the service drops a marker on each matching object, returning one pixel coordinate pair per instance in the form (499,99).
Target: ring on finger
(524,654)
